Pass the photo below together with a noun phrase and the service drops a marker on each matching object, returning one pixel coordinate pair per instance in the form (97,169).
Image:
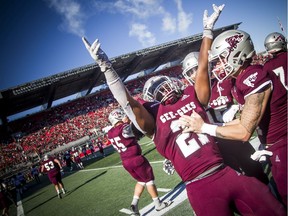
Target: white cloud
(168,24)
(71,14)
(146,10)
(141,9)
(144,36)
(184,19)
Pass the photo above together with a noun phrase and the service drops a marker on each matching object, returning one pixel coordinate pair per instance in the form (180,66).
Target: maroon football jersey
(190,153)
(273,125)
(221,99)
(278,65)
(221,95)
(75,153)
(124,141)
(50,167)
(125,145)
(76,156)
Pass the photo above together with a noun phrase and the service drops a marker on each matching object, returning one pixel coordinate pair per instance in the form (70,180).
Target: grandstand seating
(44,131)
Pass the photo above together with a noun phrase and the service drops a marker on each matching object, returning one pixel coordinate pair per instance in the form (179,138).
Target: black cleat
(135,210)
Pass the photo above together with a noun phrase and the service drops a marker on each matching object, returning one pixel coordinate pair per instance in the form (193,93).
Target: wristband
(208,33)
(209,129)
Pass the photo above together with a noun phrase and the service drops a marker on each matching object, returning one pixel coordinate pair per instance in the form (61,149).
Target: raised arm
(202,81)
(136,112)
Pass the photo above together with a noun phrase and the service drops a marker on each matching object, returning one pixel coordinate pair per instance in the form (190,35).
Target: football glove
(62,172)
(97,54)
(260,155)
(208,22)
(229,114)
(168,167)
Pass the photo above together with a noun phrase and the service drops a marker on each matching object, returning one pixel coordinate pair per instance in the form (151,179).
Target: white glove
(168,167)
(260,155)
(97,54)
(229,114)
(208,22)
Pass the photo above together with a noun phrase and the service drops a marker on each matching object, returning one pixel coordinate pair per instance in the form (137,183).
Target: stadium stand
(23,141)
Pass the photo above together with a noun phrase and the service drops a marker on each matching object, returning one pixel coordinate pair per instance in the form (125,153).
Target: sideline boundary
(176,196)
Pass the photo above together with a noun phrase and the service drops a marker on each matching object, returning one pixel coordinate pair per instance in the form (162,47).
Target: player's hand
(62,172)
(191,123)
(260,155)
(168,167)
(97,54)
(229,114)
(208,22)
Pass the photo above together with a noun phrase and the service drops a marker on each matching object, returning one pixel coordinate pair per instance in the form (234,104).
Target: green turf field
(102,188)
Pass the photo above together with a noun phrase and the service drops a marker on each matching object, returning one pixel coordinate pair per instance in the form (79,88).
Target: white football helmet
(46,157)
(116,115)
(190,66)
(162,89)
(229,52)
(275,42)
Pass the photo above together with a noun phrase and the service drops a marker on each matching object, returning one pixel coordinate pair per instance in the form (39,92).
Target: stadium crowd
(196,158)
(39,133)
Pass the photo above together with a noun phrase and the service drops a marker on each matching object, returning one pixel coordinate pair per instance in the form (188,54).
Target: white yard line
(177,196)
(20,210)
(163,190)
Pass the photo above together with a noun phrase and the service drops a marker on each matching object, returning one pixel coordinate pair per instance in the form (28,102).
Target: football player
(124,141)
(263,97)
(53,167)
(211,186)
(222,109)
(76,158)
(276,45)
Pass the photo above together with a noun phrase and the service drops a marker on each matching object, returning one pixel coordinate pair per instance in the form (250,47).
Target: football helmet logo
(229,52)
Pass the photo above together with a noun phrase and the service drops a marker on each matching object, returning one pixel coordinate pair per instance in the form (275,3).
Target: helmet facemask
(190,75)
(161,89)
(221,69)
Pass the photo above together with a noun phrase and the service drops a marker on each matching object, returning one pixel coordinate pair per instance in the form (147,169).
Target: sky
(40,38)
